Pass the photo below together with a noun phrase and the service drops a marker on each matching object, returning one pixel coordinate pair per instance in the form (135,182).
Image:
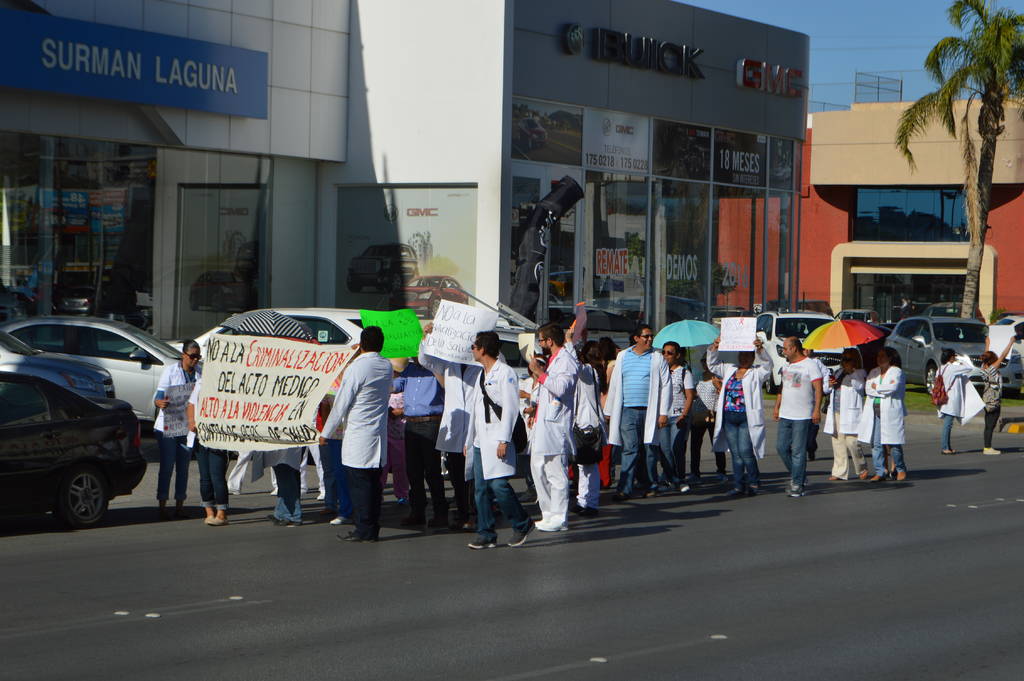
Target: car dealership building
(170,162)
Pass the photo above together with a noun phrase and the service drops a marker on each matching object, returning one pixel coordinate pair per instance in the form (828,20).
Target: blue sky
(850,36)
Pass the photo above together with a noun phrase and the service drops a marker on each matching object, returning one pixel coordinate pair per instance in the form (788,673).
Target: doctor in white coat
(638,403)
(551,443)
(458,381)
(954,378)
(881,420)
(842,419)
(739,413)
(362,402)
(490,452)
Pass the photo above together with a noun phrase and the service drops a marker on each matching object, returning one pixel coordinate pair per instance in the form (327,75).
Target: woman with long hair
(992,395)
(954,379)
(588,428)
(881,420)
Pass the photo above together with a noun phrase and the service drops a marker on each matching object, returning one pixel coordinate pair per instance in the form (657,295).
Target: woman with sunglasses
(174,455)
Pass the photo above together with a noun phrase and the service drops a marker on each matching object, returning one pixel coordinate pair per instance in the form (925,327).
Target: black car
(63,453)
(383,267)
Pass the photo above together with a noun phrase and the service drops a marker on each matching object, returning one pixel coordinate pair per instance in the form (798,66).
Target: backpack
(939,394)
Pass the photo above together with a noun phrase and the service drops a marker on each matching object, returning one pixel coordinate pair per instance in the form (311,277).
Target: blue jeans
(288,506)
(947,430)
(213,482)
(499,490)
(671,450)
(174,457)
(336,495)
(878,451)
(792,446)
(631,430)
(745,473)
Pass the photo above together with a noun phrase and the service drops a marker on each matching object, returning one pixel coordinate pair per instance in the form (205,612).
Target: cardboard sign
(402,331)
(527,345)
(455,329)
(261,393)
(738,334)
(175,418)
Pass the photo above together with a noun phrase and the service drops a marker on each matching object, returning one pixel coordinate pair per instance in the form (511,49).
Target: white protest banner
(999,336)
(738,333)
(262,393)
(175,418)
(455,329)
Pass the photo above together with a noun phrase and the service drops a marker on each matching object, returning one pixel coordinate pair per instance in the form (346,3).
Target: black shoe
(356,539)
(619,496)
(438,521)
(751,491)
(810,456)
(587,512)
(577,509)
(479,544)
(413,520)
(277,521)
(735,492)
(519,538)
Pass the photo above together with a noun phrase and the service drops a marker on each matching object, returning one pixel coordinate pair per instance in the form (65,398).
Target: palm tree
(986,63)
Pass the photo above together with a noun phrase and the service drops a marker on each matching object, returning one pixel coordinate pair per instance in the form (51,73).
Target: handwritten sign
(262,393)
(175,418)
(402,331)
(455,329)
(738,333)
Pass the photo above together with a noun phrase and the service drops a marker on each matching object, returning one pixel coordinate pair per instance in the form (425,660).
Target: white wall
(429,83)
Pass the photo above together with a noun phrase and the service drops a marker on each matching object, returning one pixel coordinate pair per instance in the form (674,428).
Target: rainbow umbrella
(842,334)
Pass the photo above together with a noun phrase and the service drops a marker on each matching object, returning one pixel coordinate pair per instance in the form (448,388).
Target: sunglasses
(196,356)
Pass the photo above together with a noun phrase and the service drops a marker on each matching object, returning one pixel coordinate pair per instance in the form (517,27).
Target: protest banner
(738,334)
(402,331)
(262,393)
(999,336)
(455,329)
(175,418)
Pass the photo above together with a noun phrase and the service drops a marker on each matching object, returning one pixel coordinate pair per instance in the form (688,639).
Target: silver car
(81,377)
(921,340)
(134,358)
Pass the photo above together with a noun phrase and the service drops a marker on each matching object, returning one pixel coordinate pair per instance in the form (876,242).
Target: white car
(775,327)
(134,358)
(330,325)
(1018,325)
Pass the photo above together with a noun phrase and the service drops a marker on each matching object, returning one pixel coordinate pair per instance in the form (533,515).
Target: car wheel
(82,497)
(929,376)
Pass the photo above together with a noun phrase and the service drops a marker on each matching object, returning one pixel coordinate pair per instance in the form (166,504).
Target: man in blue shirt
(424,404)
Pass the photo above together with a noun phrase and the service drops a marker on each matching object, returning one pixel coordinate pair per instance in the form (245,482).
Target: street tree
(981,68)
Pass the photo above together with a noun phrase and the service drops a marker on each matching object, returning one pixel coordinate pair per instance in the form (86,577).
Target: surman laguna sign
(66,56)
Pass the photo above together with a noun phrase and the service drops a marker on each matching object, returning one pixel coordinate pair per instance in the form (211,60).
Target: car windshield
(797,326)
(12,344)
(957,332)
(152,341)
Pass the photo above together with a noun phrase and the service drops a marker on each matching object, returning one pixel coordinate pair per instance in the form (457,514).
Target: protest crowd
(590,416)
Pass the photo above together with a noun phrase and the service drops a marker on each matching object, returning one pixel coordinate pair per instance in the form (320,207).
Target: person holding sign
(993,393)
(796,408)
(362,402)
(171,427)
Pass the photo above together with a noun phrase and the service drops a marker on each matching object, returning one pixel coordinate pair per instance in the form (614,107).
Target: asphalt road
(914,580)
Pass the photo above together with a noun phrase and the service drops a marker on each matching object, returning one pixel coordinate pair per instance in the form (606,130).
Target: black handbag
(520,440)
(589,439)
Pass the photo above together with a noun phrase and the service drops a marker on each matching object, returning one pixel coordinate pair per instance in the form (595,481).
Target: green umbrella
(688,333)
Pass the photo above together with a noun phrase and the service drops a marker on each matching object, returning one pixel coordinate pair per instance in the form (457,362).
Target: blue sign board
(41,52)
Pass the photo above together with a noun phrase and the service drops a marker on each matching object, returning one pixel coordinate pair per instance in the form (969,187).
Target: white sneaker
(989,451)
(684,488)
(551,527)
(274,491)
(321,496)
(338,521)
(234,491)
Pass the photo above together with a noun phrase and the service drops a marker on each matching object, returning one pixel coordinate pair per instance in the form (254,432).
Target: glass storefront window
(681,216)
(778,251)
(884,293)
(740,158)
(682,151)
(905,214)
(76,227)
(736,276)
(781,174)
(616,216)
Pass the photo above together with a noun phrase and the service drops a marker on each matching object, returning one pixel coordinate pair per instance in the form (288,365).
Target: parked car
(134,358)
(530,134)
(947,310)
(424,294)
(221,291)
(383,267)
(63,453)
(81,377)
(921,340)
(332,326)
(775,327)
(75,300)
(859,315)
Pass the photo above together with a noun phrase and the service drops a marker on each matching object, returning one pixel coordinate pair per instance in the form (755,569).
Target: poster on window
(410,247)
(682,151)
(552,133)
(615,141)
(741,158)
(781,175)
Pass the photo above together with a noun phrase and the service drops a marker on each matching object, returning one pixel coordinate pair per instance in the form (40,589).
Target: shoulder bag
(520,440)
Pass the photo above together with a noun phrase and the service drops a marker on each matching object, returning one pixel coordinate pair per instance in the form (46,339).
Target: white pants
(238,472)
(314,451)
(589,485)
(552,481)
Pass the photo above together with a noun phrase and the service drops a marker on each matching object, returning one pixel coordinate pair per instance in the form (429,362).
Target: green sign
(402,331)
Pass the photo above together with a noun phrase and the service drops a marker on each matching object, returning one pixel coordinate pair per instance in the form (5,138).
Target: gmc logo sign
(624,129)
(421,212)
(770,78)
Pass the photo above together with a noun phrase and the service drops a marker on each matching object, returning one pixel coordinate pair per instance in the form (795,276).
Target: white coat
(458,381)
(659,398)
(556,395)
(362,401)
(752,398)
(502,387)
(173,375)
(954,377)
(890,388)
(851,401)
(588,400)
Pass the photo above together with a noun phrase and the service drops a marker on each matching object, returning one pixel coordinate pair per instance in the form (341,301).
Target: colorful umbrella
(688,333)
(842,334)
